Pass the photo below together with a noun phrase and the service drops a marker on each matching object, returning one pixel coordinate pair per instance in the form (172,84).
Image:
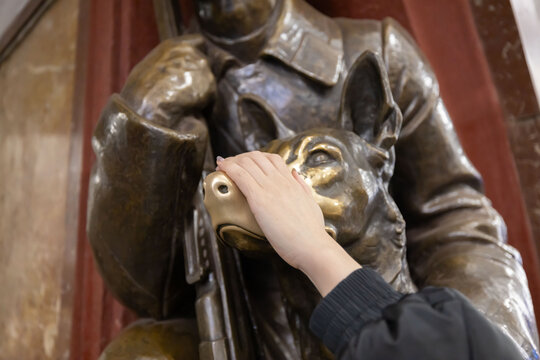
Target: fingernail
(219,159)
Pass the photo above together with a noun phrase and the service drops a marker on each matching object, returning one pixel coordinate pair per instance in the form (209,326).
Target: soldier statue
(255,71)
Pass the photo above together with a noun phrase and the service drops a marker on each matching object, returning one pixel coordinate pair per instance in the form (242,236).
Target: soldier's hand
(171,82)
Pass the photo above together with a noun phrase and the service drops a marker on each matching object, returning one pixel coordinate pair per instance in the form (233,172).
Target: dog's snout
(230,214)
(221,192)
(217,185)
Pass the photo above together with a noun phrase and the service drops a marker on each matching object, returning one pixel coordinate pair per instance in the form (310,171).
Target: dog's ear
(367,105)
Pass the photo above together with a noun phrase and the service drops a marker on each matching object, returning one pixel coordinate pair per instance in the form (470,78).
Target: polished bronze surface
(137,244)
(170,83)
(155,340)
(286,74)
(226,205)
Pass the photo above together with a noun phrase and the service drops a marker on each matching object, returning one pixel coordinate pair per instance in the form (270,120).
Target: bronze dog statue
(343,171)
(349,176)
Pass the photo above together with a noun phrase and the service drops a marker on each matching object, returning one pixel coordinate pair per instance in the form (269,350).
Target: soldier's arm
(173,81)
(455,237)
(150,146)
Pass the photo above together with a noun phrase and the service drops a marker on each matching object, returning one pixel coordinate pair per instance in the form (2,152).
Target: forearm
(172,82)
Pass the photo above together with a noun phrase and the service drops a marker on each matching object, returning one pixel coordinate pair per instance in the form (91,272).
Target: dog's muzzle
(231,216)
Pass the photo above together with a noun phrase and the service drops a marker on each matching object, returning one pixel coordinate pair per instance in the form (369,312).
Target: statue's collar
(299,36)
(308,41)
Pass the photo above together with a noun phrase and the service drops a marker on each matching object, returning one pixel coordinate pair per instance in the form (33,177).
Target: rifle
(225,323)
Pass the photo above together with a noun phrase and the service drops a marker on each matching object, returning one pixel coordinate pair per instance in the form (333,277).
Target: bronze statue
(265,70)
(349,177)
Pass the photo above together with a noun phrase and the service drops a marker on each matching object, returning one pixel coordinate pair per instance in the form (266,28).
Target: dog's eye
(319,157)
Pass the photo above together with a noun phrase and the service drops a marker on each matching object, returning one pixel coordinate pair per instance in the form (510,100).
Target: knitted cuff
(355,301)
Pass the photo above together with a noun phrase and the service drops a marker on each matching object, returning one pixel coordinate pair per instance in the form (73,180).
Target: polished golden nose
(220,186)
(228,207)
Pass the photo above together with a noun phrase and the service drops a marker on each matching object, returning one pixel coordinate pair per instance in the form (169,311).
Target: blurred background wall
(64,58)
(36,94)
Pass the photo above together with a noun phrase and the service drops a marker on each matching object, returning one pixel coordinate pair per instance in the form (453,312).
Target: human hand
(284,207)
(171,82)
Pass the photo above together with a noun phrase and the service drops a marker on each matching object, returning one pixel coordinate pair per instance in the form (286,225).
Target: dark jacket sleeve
(364,318)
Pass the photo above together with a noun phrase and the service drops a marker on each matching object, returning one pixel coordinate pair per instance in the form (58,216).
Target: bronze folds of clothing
(281,75)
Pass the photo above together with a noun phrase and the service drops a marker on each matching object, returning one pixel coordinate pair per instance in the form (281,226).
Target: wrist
(328,266)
